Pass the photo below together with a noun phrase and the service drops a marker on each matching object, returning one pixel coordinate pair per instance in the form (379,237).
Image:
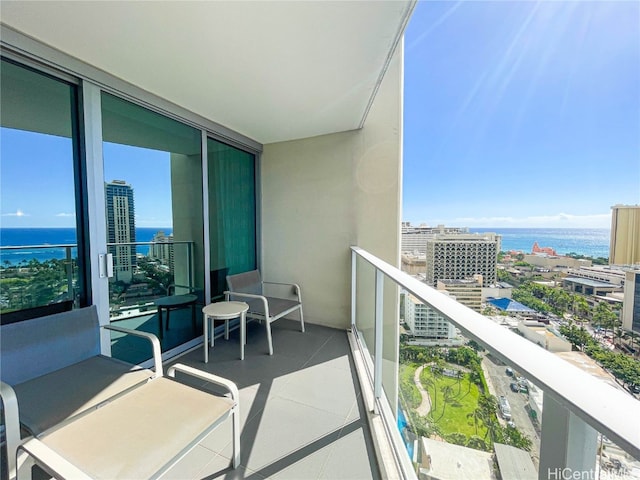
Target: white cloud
(559,220)
(65,215)
(19,213)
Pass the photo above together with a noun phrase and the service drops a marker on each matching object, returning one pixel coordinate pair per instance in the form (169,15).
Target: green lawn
(462,401)
(410,395)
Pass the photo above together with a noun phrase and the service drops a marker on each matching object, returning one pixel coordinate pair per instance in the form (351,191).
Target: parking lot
(499,381)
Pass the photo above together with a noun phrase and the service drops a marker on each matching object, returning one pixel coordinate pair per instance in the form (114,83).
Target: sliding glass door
(155,231)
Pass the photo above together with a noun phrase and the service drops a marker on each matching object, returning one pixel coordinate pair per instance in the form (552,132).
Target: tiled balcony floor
(301,411)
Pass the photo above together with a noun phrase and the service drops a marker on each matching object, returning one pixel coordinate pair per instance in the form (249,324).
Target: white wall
(322,194)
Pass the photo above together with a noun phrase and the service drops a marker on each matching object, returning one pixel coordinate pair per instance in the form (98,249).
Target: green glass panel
(232,213)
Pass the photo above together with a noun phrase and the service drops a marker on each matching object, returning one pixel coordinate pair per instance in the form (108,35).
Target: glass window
(41,238)
(155,228)
(232,213)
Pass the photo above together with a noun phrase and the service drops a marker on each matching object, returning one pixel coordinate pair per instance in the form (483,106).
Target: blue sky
(517,114)
(521,114)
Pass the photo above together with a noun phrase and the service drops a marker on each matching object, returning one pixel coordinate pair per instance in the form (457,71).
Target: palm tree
(447,395)
(459,376)
(477,416)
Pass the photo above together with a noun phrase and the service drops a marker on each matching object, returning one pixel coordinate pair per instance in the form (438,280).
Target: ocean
(591,242)
(54,236)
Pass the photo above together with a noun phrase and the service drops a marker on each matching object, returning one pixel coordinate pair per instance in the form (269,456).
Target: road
(499,382)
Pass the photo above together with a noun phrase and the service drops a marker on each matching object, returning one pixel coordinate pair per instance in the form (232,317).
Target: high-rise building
(121,229)
(631,305)
(461,256)
(624,248)
(162,249)
(414,237)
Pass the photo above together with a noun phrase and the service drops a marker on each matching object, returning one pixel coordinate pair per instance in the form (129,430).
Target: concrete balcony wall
(322,194)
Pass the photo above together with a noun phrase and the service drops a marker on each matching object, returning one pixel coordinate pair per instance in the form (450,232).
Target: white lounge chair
(140,434)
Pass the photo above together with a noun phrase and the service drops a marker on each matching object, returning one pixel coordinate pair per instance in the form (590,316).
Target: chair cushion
(278,307)
(53,398)
(136,435)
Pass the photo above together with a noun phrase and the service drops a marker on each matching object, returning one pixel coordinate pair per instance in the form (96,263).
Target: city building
(624,248)
(545,336)
(424,322)
(162,249)
(468,291)
(512,307)
(631,303)
(461,256)
(499,290)
(121,228)
(413,264)
(559,262)
(414,237)
(612,274)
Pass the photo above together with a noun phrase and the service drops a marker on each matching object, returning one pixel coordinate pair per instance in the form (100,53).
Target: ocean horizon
(590,242)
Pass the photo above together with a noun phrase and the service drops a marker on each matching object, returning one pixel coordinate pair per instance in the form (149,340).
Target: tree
(604,316)
(447,396)
(457,438)
(477,443)
(477,416)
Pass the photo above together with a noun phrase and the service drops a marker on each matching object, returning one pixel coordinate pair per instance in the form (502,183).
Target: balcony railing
(587,423)
(167,264)
(38,275)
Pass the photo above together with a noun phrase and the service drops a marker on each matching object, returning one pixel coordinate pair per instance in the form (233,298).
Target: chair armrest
(155,345)
(227,293)
(51,461)
(296,288)
(209,377)
(11,425)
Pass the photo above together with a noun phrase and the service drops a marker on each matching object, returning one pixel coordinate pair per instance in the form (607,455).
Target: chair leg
(269,336)
(301,320)
(236,436)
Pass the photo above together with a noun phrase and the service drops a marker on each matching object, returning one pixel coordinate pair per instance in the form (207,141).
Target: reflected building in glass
(121,229)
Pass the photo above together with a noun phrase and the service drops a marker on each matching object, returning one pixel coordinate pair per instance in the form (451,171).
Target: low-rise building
(468,292)
(545,336)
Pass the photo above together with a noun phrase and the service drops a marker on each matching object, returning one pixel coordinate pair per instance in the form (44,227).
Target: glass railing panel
(390,332)
(160,270)
(42,277)
(481,401)
(365,303)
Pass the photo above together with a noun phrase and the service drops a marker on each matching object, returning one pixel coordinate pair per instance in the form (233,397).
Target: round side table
(224,311)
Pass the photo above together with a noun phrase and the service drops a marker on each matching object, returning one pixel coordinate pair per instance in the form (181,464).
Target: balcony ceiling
(272,71)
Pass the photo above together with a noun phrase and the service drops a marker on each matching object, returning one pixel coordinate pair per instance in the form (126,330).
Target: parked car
(509,372)
(514,387)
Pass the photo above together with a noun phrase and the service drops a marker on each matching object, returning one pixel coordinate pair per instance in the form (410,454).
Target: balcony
(302,411)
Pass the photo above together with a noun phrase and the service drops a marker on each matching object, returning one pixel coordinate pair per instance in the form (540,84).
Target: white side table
(224,311)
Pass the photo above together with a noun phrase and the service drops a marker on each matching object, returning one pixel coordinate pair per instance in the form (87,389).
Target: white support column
(568,447)
(92,106)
